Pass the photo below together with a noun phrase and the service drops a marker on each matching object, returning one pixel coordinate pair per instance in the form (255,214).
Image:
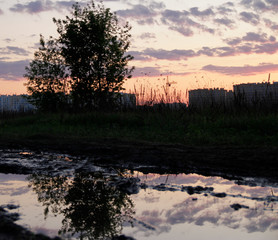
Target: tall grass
(163,93)
(163,126)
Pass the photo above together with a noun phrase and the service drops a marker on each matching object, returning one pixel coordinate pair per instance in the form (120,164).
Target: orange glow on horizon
(156,87)
(13,87)
(166,88)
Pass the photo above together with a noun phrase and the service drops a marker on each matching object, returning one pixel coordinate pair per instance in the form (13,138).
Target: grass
(148,125)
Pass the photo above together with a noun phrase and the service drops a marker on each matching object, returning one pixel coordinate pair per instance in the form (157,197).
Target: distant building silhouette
(15,103)
(248,94)
(201,98)
(19,103)
(255,93)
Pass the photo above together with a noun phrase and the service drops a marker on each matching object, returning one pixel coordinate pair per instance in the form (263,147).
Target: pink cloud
(243,71)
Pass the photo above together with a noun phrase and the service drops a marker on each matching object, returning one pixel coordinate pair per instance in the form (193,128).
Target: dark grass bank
(167,127)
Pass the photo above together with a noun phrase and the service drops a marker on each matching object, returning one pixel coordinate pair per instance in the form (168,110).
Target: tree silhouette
(92,47)
(47,78)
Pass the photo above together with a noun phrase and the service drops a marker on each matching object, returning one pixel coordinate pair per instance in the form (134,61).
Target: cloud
(139,56)
(270,24)
(177,21)
(12,70)
(146,71)
(136,12)
(8,40)
(157,5)
(250,17)
(251,37)
(269,48)
(147,35)
(152,72)
(173,16)
(206,13)
(246,70)
(172,55)
(224,21)
(142,14)
(233,41)
(180,21)
(4,58)
(273,3)
(261,6)
(219,52)
(175,54)
(66,4)
(256,37)
(226,9)
(249,44)
(34,7)
(246,48)
(14,50)
(187,32)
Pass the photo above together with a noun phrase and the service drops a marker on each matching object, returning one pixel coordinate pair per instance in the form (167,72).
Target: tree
(47,78)
(91,47)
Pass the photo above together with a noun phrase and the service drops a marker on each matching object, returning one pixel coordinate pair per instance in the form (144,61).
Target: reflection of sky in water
(14,190)
(178,215)
(168,214)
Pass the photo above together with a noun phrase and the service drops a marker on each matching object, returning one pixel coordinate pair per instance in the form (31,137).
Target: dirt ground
(225,161)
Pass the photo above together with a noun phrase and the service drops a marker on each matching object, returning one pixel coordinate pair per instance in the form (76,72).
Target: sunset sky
(195,43)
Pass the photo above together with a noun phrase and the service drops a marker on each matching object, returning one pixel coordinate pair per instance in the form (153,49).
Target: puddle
(106,203)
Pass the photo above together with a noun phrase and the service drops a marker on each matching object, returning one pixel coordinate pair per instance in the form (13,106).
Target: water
(106,203)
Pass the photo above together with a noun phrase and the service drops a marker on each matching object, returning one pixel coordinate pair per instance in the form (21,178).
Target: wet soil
(224,161)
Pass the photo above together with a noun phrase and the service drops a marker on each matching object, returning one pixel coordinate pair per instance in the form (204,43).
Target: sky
(190,44)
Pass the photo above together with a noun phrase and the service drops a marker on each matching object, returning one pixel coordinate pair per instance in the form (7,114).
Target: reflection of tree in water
(91,207)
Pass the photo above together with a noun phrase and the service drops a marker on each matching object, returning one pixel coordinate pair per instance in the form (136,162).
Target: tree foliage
(47,78)
(91,47)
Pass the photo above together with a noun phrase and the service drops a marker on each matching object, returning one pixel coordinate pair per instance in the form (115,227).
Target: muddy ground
(224,161)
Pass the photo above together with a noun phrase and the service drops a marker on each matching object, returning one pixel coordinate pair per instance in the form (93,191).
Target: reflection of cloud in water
(45,231)
(258,191)
(199,210)
(177,179)
(20,191)
(260,224)
(237,189)
(152,217)
(183,179)
(206,217)
(215,180)
(151,199)
(215,211)
(274,227)
(5,178)
(253,220)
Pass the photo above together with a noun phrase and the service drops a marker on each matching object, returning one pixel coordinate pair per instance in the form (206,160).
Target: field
(169,126)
